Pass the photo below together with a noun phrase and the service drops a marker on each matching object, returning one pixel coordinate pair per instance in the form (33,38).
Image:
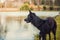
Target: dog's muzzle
(26,20)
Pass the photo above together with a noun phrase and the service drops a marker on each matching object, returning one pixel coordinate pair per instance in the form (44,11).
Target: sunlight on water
(18,32)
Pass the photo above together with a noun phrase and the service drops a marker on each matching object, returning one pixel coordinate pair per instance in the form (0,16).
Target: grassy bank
(57,32)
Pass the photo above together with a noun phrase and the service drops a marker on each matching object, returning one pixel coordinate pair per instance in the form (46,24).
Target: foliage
(43,2)
(36,37)
(44,7)
(51,8)
(25,6)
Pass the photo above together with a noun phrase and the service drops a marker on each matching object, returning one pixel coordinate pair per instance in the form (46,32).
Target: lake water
(21,31)
(23,13)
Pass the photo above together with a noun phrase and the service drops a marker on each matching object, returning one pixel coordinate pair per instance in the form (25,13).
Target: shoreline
(17,10)
(9,9)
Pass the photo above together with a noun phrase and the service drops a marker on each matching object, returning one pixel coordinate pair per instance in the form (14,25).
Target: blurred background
(38,5)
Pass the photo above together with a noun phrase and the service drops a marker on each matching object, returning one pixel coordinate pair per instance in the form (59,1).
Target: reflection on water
(17,30)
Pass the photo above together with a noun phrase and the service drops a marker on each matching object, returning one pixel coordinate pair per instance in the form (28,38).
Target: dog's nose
(24,19)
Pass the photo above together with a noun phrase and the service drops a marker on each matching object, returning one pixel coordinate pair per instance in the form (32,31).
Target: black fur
(45,26)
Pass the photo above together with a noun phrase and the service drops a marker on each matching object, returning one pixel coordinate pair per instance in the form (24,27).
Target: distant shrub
(51,8)
(25,7)
(44,7)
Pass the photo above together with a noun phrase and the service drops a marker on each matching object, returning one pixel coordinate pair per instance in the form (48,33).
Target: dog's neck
(37,22)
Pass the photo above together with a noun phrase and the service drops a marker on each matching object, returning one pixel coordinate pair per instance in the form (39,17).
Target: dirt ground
(8,9)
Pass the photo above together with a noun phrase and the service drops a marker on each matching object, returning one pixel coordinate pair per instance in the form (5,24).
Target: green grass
(57,32)
(58,28)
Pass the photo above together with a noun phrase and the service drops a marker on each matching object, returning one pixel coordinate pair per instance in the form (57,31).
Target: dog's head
(29,17)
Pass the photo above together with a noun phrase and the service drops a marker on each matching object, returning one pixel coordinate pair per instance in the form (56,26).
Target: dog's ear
(30,11)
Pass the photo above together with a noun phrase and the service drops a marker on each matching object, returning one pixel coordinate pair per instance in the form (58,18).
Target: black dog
(45,26)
